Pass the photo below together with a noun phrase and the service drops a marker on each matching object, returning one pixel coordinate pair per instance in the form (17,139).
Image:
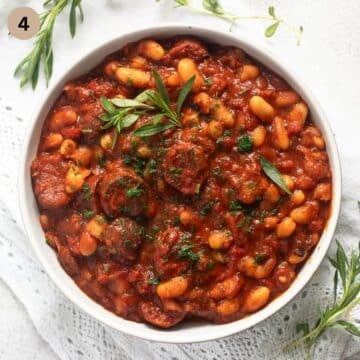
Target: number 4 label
(23,23)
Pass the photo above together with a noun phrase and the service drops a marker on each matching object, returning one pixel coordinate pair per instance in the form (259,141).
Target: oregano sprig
(214,8)
(347,270)
(42,51)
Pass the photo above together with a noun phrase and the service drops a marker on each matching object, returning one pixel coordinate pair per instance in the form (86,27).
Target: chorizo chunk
(184,167)
(166,254)
(154,315)
(122,192)
(48,173)
(125,237)
(188,48)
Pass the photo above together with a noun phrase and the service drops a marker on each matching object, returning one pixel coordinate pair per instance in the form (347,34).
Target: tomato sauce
(184,223)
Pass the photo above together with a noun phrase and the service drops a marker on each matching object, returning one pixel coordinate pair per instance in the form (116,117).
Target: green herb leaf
(304,327)
(213,6)
(273,174)
(134,192)
(244,143)
(271,30)
(185,252)
(271,11)
(152,129)
(161,88)
(184,92)
(87,191)
(154,281)
(130,103)
(157,118)
(350,328)
(88,213)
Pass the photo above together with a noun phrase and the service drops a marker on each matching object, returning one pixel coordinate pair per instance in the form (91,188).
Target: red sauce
(184,223)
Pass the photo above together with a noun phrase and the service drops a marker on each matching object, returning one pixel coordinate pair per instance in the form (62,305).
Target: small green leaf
(129,120)
(130,103)
(157,118)
(184,92)
(154,281)
(152,129)
(271,11)
(144,96)
(161,88)
(301,29)
(342,262)
(270,30)
(107,105)
(304,327)
(244,143)
(72,18)
(181,2)
(213,6)
(336,280)
(273,174)
(350,328)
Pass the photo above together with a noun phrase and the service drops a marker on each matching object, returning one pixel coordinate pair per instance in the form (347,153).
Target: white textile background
(36,321)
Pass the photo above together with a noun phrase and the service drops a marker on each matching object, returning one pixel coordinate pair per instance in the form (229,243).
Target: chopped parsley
(152,166)
(86,191)
(87,213)
(210,265)
(154,281)
(236,205)
(260,258)
(86,130)
(244,143)
(207,207)
(208,81)
(133,192)
(185,252)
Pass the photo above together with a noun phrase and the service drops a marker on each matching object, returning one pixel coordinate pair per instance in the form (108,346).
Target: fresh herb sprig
(42,51)
(273,174)
(214,8)
(122,113)
(347,269)
(161,100)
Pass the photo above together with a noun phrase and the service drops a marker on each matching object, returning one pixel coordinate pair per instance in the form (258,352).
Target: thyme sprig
(214,8)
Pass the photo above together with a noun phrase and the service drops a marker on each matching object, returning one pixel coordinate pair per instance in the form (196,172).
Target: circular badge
(23,23)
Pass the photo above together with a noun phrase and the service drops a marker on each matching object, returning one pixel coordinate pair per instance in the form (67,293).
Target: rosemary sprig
(42,52)
(214,8)
(123,113)
(347,269)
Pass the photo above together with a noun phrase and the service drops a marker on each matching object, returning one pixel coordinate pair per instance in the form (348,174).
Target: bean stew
(181,179)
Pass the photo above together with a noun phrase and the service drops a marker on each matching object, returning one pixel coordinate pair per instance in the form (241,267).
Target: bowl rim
(184,334)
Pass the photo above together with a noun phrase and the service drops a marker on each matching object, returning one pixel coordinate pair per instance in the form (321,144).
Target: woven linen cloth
(330,65)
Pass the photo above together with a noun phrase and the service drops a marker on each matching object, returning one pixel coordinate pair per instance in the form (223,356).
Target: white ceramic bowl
(191,331)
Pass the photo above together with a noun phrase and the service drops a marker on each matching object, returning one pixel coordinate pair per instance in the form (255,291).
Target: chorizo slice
(48,173)
(155,316)
(188,48)
(122,192)
(125,237)
(166,253)
(88,199)
(184,167)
